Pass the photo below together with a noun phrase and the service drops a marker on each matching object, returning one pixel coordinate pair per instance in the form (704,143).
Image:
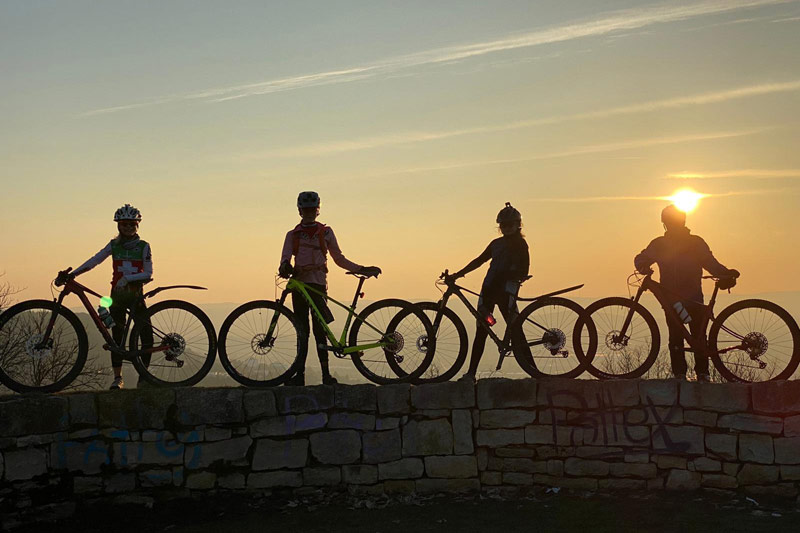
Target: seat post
(358,291)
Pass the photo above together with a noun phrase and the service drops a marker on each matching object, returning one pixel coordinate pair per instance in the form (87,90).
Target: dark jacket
(681,258)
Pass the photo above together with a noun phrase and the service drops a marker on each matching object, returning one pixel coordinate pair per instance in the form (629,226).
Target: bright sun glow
(686,199)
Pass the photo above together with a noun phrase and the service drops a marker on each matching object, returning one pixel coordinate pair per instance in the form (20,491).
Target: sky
(415,121)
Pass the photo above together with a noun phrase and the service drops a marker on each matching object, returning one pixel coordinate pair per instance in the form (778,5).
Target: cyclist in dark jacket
(681,258)
(509,265)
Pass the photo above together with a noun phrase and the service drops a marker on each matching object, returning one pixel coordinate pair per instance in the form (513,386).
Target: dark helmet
(307,199)
(508,214)
(127,212)
(672,216)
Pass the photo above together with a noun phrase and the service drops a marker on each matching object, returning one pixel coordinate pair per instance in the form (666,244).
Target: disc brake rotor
(36,352)
(614,342)
(422,343)
(259,345)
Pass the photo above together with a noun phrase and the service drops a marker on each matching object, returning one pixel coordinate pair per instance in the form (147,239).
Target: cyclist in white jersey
(309,243)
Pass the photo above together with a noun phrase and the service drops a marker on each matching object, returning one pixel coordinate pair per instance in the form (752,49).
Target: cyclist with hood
(132,268)
(510,261)
(309,243)
(681,258)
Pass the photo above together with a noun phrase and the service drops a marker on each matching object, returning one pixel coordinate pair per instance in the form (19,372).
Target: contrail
(740,173)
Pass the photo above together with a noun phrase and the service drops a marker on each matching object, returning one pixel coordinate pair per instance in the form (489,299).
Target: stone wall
(451,437)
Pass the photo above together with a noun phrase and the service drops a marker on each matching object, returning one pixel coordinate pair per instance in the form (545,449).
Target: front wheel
(259,343)
(31,363)
(185,341)
(754,340)
(623,354)
(395,342)
(553,337)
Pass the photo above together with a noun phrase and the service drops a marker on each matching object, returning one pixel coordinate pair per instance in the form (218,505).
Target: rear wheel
(258,344)
(754,340)
(397,342)
(28,362)
(188,338)
(553,337)
(619,355)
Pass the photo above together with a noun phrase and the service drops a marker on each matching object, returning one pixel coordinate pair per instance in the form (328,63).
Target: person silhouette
(681,258)
(510,261)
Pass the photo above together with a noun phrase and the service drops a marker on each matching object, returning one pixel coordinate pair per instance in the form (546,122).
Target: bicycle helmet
(127,212)
(508,214)
(672,216)
(308,199)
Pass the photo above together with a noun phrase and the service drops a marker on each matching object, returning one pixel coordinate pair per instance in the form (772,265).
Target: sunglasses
(127,224)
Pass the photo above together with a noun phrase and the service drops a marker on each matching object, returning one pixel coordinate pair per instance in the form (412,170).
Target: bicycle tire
(239,350)
(558,315)
(452,343)
(617,361)
(193,352)
(784,369)
(18,358)
(386,318)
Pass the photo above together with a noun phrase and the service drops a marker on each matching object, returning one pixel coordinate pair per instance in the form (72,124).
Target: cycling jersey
(681,258)
(310,252)
(132,261)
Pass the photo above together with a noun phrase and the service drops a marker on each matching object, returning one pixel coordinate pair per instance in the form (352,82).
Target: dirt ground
(660,512)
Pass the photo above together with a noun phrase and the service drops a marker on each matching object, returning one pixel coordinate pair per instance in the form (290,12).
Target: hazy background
(415,121)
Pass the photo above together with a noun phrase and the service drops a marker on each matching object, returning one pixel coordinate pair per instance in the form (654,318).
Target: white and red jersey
(310,244)
(132,260)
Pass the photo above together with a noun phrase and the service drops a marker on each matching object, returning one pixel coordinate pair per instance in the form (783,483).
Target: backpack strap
(320,232)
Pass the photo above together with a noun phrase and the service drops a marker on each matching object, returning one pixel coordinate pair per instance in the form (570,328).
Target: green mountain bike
(260,341)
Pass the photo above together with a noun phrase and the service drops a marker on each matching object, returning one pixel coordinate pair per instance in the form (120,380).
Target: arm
(475,263)
(337,255)
(710,263)
(646,258)
(522,262)
(98,258)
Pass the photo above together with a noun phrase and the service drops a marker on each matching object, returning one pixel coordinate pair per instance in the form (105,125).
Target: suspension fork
(51,324)
(626,324)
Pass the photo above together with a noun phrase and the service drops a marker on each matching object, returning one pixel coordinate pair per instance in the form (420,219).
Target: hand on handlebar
(285,270)
(728,281)
(645,271)
(370,271)
(63,277)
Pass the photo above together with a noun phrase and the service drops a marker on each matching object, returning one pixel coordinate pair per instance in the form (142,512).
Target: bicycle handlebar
(63,277)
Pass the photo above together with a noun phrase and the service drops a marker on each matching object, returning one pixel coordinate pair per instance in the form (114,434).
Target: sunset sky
(415,121)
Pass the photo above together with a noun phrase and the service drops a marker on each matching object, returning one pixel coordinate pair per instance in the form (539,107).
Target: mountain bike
(751,340)
(43,345)
(260,341)
(551,336)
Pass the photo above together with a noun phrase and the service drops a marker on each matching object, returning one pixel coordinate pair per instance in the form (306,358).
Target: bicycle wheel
(628,356)
(754,340)
(189,335)
(451,345)
(248,355)
(558,338)
(406,335)
(27,364)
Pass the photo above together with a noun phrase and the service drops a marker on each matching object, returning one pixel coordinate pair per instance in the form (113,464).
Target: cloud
(598,199)
(740,173)
(367,143)
(613,22)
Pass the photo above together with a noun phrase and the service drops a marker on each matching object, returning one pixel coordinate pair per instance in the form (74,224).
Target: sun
(686,199)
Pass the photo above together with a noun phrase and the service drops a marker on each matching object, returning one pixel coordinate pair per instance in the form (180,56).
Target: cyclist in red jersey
(309,243)
(132,268)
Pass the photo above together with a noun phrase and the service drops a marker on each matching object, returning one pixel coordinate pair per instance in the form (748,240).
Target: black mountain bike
(43,345)
(751,340)
(551,336)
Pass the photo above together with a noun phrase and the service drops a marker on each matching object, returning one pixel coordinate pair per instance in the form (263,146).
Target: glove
(122,283)
(370,271)
(64,276)
(729,281)
(285,270)
(645,271)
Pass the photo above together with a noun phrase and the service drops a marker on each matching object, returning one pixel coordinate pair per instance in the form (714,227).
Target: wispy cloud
(611,23)
(410,137)
(631,144)
(598,199)
(792,173)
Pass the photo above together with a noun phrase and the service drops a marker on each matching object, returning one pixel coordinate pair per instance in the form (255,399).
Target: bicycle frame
(648,284)
(338,346)
(504,344)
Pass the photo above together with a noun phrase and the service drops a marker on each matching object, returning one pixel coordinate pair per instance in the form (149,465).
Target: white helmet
(127,212)
(307,199)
